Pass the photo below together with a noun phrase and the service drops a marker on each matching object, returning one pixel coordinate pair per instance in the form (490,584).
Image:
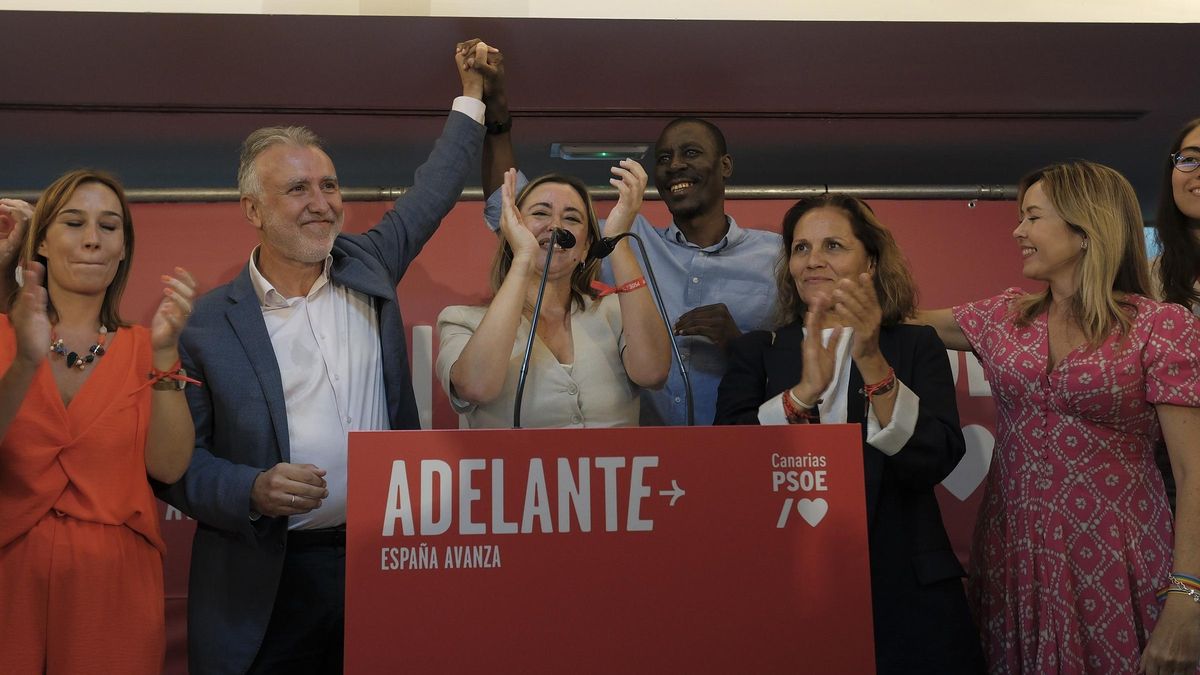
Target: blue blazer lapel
(245,317)
(353,273)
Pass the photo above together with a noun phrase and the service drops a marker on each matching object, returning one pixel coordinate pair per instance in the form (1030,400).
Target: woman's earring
(1083,245)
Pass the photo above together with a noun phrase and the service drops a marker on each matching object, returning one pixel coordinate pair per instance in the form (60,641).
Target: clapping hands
(857,307)
(524,245)
(29,316)
(630,181)
(173,311)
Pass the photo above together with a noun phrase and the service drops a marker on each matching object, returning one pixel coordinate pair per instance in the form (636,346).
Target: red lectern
(653,550)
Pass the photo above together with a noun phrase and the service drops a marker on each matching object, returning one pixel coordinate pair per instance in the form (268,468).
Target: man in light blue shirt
(717,279)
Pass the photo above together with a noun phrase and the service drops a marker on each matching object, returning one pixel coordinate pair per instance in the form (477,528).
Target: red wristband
(604,289)
(175,374)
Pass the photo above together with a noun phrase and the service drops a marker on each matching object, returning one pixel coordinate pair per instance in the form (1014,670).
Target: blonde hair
(1100,204)
(584,273)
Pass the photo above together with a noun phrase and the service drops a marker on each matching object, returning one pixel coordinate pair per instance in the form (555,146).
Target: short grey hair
(259,141)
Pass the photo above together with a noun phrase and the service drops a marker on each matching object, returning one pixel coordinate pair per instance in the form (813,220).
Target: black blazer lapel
(783,362)
(856,411)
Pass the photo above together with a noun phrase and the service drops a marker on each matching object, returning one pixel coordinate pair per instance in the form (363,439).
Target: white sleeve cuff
(771,412)
(471,107)
(891,439)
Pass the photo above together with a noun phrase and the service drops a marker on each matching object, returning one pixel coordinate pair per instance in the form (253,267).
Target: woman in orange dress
(85,415)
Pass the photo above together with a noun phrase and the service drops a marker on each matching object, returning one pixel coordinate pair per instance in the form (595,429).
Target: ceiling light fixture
(603,151)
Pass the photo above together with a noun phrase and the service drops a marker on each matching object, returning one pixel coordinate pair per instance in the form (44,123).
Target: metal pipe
(601,193)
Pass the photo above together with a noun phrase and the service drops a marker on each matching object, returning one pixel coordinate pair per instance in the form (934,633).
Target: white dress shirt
(331,368)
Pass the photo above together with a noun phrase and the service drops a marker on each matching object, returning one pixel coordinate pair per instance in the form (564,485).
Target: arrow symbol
(676,492)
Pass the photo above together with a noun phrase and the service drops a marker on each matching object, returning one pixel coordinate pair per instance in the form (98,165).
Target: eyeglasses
(1185,163)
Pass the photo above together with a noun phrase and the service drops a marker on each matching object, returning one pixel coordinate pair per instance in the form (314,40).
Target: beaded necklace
(74,359)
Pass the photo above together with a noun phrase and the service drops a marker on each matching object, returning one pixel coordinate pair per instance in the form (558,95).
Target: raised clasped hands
(173,311)
(478,62)
(630,181)
(487,61)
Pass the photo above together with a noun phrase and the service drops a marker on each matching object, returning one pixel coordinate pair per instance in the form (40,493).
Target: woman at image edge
(1074,534)
(1178,222)
(81,427)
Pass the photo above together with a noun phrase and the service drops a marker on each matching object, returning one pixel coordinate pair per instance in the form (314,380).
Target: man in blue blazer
(305,345)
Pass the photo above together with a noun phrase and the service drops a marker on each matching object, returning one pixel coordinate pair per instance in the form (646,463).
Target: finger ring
(293,500)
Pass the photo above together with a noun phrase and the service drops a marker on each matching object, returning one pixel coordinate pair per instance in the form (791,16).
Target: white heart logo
(973,467)
(812,510)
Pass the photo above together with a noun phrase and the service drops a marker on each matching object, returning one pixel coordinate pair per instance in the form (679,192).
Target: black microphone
(564,240)
(603,248)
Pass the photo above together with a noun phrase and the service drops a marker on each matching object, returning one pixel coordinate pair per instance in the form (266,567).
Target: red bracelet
(789,409)
(794,410)
(881,387)
(175,375)
(605,289)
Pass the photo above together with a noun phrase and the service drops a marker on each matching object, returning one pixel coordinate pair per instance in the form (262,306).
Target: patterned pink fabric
(1074,533)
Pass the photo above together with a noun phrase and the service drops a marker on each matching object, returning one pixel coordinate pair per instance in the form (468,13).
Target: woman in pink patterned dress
(1074,536)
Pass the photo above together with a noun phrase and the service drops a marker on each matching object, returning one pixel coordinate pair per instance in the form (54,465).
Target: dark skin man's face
(688,171)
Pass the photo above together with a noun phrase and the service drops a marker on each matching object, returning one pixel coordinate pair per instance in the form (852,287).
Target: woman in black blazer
(844,283)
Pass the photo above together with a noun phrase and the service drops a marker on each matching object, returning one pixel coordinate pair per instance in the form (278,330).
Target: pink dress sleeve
(986,321)
(1171,356)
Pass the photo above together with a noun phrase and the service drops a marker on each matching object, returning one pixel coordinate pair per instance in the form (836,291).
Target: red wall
(957,253)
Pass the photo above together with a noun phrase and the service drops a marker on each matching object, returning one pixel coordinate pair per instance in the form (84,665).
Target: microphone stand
(564,240)
(602,249)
